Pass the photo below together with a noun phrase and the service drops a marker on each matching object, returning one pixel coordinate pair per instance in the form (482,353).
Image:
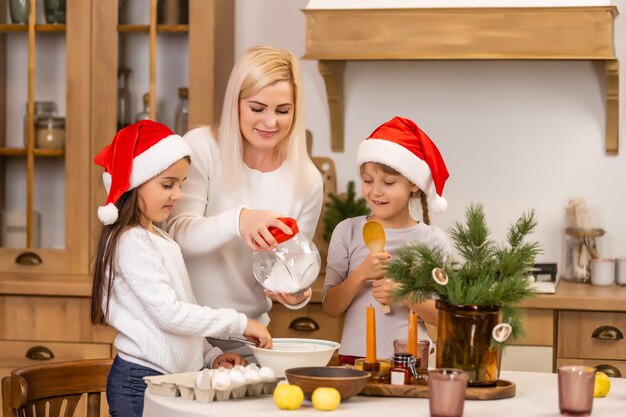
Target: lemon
(325,399)
(288,397)
(602,385)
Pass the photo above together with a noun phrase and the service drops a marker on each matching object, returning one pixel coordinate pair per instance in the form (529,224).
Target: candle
(412,338)
(370,346)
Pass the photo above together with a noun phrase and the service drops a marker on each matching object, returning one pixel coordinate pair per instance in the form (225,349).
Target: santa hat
(401,145)
(137,153)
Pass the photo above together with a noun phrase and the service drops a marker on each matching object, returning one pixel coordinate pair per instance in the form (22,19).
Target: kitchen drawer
(611,368)
(309,322)
(591,335)
(58,319)
(13,354)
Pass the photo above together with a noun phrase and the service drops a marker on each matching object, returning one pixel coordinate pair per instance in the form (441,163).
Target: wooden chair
(29,390)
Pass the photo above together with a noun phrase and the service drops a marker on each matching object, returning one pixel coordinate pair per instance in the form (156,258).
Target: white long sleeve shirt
(152,307)
(205,223)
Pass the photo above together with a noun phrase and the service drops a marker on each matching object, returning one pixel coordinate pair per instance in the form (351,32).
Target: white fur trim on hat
(107,214)
(153,161)
(406,163)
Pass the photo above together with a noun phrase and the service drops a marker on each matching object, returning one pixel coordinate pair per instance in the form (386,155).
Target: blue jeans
(126,388)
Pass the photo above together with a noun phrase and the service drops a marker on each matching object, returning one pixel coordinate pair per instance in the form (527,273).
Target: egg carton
(185,385)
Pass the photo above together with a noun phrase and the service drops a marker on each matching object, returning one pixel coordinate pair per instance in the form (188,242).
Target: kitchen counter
(537,395)
(575,296)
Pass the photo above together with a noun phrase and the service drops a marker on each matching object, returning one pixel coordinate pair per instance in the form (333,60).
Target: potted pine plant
(477,297)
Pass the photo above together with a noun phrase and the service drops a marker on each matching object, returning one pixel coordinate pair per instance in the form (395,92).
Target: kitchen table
(536,395)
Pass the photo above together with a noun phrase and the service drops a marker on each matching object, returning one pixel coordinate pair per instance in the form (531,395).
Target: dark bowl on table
(349,382)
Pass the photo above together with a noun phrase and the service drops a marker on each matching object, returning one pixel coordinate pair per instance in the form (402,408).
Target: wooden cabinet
(592,338)
(45,287)
(589,325)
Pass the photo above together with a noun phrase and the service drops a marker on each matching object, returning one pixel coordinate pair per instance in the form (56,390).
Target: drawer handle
(28,259)
(607,333)
(39,353)
(609,370)
(304,324)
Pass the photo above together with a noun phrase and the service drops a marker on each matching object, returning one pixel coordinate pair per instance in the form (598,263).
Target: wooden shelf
(518,33)
(146,28)
(11,28)
(36,152)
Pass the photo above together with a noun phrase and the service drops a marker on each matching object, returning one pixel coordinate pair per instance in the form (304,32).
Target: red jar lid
(281,236)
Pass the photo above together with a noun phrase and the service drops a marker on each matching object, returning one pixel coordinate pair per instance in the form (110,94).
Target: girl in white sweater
(140,285)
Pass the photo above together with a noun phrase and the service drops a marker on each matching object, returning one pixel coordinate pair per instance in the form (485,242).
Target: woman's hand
(228,360)
(373,266)
(285,298)
(258,332)
(254,225)
(383,289)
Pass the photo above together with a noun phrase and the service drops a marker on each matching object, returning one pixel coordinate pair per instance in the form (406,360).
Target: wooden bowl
(349,382)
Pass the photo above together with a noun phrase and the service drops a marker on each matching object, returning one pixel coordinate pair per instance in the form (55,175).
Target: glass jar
(124,99)
(54,11)
(40,109)
(182,112)
(581,247)
(292,266)
(403,369)
(19,11)
(50,132)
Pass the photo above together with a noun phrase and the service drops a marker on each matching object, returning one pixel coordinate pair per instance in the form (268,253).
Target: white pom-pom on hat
(107,214)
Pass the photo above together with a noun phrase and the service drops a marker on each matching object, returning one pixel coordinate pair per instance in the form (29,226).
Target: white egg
(253,366)
(221,380)
(239,368)
(252,376)
(236,377)
(203,379)
(267,374)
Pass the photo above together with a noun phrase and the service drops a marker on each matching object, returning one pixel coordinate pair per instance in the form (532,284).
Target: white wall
(515,134)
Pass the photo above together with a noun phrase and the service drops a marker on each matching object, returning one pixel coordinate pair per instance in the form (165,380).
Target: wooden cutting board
(503,389)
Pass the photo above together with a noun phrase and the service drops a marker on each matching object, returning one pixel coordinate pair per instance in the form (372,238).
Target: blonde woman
(246,172)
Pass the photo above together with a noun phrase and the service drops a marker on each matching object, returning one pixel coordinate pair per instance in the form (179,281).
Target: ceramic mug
(602,271)
(620,271)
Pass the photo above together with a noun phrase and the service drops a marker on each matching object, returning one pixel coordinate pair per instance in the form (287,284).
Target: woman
(246,172)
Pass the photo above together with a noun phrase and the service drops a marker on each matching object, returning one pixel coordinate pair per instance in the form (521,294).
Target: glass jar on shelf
(182,112)
(145,113)
(19,11)
(50,132)
(40,109)
(54,11)
(124,99)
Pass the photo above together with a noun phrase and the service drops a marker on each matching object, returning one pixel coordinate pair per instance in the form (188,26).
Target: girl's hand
(383,289)
(253,228)
(285,298)
(373,266)
(258,332)
(228,360)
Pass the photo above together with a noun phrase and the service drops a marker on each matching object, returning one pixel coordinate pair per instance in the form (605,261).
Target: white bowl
(295,353)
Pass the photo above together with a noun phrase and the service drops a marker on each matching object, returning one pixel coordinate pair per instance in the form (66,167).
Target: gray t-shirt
(347,251)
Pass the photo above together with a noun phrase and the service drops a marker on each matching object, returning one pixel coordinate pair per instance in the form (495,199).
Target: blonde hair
(256,68)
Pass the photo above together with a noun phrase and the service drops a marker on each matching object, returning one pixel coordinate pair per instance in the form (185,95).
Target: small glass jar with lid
(403,369)
(40,109)
(50,132)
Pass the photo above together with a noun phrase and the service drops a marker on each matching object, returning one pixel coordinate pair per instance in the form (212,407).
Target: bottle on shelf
(145,113)
(173,12)
(54,11)
(19,11)
(124,99)
(182,112)
(42,109)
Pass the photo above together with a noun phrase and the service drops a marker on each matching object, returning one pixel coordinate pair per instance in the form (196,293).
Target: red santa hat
(138,153)
(403,146)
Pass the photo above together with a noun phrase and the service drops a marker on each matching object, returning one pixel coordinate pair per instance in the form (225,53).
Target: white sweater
(205,223)
(152,307)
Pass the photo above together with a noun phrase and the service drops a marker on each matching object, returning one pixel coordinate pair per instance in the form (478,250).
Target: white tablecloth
(536,395)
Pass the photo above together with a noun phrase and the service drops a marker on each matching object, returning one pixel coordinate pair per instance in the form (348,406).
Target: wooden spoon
(374,237)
